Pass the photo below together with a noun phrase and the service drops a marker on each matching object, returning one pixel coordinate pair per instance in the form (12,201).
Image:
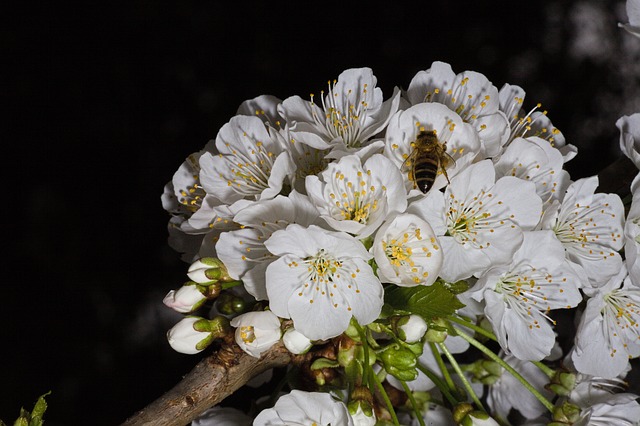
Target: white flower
(222,416)
(296,342)
(407,252)
(470,94)
(253,162)
(535,160)
(321,280)
(620,410)
(478,221)
(305,408)
(355,197)
(351,112)
(186,299)
(243,251)
(256,332)
(461,139)
(632,234)
(533,123)
(608,334)
(519,295)
(184,338)
(629,126)
(507,392)
(633,13)
(589,225)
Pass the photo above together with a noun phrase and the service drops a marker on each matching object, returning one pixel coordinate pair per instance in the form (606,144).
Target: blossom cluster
(308,221)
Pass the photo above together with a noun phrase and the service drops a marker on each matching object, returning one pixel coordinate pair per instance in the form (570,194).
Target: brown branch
(211,380)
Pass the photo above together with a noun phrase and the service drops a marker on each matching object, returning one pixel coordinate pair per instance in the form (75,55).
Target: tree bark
(211,380)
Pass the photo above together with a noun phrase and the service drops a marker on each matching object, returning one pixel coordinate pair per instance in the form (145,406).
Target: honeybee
(428,157)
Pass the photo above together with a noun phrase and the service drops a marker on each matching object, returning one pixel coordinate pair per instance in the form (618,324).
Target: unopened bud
(400,362)
(186,299)
(296,342)
(361,413)
(562,383)
(566,413)
(208,270)
(185,338)
(410,328)
(437,333)
(485,371)
(230,304)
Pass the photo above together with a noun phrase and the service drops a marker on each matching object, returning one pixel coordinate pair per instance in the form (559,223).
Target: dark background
(104,101)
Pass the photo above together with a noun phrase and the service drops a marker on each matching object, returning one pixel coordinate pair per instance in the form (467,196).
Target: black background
(104,101)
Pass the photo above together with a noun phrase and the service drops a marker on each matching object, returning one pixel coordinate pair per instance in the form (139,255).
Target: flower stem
(387,401)
(472,326)
(439,383)
(366,368)
(443,368)
(413,402)
(463,378)
(550,372)
(549,406)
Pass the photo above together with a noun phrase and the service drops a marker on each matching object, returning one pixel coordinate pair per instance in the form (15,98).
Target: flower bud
(478,418)
(207,270)
(485,371)
(400,362)
(186,299)
(184,338)
(411,328)
(361,413)
(562,382)
(257,331)
(296,342)
(230,304)
(437,333)
(566,413)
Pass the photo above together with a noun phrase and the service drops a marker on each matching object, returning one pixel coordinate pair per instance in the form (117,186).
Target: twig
(211,380)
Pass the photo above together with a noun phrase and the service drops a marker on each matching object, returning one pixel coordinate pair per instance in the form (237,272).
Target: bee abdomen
(425,173)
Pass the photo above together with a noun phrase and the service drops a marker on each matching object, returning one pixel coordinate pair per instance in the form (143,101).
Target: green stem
(463,378)
(550,372)
(413,402)
(230,284)
(443,368)
(507,367)
(472,326)
(366,368)
(387,401)
(439,383)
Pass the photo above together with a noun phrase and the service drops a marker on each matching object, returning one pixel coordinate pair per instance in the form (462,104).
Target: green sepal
(427,301)
(321,363)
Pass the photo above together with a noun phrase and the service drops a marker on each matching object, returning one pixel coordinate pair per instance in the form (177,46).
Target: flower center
(250,170)
(354,201)
(247,334)
(466,105)
(621,314)
(348,124)
(524,294)
(466,220)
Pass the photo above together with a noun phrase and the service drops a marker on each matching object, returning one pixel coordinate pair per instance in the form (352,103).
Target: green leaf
(430,302)
(457,287)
